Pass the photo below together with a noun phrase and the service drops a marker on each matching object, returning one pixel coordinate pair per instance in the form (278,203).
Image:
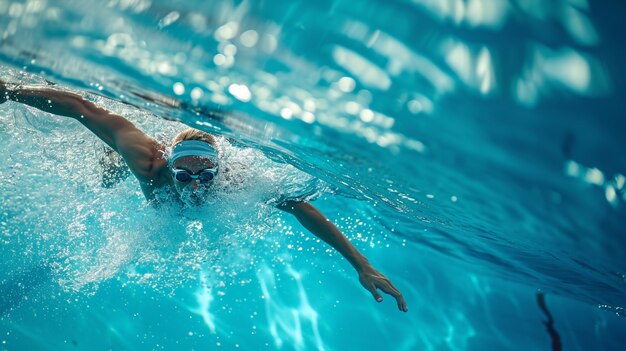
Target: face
(194,190)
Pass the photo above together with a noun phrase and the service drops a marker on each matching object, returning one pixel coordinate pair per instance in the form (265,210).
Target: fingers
(372,288)
(388,288)
(373,282)
(402,304)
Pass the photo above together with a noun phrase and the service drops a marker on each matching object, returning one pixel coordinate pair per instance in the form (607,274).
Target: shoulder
(144,156)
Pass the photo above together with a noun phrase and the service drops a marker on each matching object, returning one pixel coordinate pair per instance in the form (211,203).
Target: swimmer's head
(193,164)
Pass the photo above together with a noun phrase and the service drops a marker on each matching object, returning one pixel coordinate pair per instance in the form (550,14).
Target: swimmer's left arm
(371,279)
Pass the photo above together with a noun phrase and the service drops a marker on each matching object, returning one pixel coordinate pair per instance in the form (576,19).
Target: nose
(195,184)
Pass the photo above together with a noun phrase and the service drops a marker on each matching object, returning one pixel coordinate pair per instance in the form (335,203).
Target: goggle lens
(206,176)
(184,176)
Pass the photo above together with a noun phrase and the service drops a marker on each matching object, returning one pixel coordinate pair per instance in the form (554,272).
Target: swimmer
(190,169)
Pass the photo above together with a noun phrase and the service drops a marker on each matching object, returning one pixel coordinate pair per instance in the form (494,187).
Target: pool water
(472,150)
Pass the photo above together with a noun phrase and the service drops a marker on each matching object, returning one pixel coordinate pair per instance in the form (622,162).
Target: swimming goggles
(204,176)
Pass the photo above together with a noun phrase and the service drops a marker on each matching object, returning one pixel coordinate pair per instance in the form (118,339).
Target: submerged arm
(371,279)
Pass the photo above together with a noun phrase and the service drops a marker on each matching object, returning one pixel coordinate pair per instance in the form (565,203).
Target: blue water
(472,150)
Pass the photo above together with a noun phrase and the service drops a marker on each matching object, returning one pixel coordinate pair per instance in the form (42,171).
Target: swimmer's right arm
(116,131)
(101,122)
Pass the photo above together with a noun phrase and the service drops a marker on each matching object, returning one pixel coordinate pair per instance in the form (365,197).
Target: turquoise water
(472,150)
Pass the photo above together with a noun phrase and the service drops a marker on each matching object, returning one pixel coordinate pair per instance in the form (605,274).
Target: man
(189,170)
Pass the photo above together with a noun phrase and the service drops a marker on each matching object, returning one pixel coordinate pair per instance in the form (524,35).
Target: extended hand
(371,279)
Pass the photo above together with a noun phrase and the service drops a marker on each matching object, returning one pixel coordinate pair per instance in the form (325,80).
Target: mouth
(194,197)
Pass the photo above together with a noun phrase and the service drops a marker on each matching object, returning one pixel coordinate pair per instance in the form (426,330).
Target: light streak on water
(204,297)
(285,322)
(368,73)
